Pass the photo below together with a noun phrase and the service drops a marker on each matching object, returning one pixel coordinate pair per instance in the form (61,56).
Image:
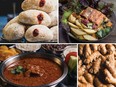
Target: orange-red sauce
(49,72)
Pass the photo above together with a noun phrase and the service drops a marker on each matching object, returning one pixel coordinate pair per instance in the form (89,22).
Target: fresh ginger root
(89,77)
(98,83)
(81,70)
(103,49)
(95,47)
(82,82)
(109,78)
(84,85)
(95,67)
(111,48)
(97,60)
(110,70)
(87,50)
(82,79)
(111,64)
(81,47)
(92,57)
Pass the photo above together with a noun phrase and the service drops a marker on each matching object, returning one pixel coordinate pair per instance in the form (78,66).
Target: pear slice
(89,37)
(72,19)
(72,25)
(79,24)
(77,32)
(89,31)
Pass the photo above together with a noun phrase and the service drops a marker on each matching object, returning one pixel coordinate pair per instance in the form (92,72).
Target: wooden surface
(110,39)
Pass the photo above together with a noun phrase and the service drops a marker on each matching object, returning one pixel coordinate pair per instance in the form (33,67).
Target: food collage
(57,43)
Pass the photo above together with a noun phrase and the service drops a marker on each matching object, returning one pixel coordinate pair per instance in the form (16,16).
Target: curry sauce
(35,72)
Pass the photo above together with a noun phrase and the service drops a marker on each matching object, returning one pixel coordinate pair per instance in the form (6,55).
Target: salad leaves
(102,33)
(78,5)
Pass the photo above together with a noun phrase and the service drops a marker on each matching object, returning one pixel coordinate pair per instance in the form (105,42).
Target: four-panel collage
(57,43)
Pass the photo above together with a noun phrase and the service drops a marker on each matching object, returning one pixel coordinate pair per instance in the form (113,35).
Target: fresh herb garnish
(18,70)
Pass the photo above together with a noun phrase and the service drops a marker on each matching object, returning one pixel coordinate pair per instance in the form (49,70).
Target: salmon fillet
(93,15)
(86,13)
(100,19)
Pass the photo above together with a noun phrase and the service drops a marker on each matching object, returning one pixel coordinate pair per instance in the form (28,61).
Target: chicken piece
(87,50)
(103,49)
(34,70)
(86,13)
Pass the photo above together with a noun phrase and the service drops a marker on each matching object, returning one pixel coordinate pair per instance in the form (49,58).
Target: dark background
(6,6)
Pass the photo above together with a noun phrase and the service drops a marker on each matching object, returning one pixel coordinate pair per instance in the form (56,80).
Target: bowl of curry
(33,70)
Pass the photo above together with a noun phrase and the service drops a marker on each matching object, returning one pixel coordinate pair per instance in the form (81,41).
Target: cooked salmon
(100,19)
(93,15)
(86,13)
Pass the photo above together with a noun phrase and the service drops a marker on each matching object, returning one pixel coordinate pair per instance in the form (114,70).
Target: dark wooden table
(63,38)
